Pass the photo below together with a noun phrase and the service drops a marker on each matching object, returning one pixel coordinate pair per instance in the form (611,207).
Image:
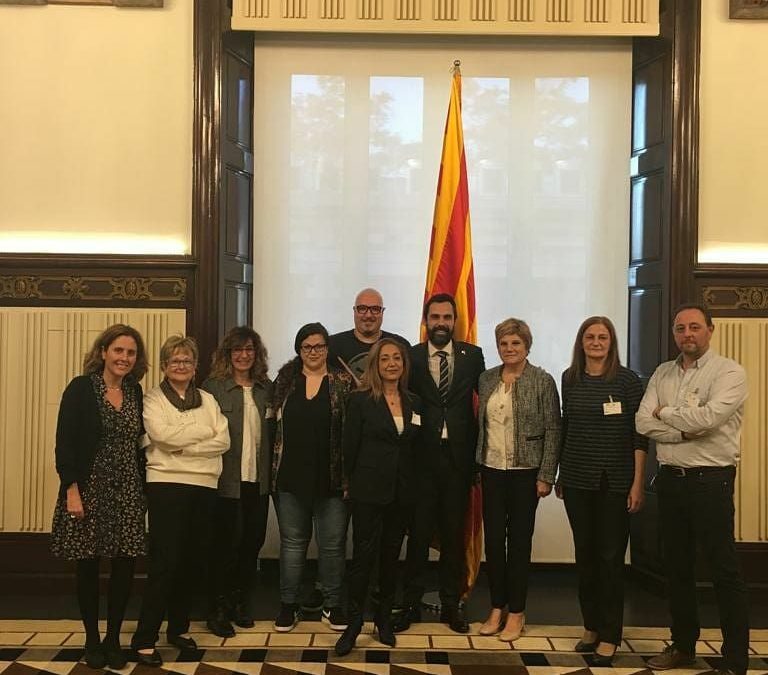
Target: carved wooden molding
(450,17)
(112,3)
(49,287)
(754,298)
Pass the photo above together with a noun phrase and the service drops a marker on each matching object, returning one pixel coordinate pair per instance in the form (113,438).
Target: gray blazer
(536,419)
(229,396)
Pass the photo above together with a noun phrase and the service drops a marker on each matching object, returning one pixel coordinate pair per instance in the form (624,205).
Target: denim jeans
(295,518)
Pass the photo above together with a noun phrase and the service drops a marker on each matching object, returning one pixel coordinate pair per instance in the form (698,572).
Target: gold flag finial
(456,67)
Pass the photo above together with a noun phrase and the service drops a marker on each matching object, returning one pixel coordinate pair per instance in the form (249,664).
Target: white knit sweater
(184,447)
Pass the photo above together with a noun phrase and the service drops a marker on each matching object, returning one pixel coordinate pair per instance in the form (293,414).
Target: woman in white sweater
(188,435)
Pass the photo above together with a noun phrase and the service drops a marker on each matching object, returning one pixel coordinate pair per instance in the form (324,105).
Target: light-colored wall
(733,186)
(96,129)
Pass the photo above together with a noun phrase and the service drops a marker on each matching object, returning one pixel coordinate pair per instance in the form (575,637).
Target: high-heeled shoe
(493,624)
(385,631)
(346,642)
(510,634)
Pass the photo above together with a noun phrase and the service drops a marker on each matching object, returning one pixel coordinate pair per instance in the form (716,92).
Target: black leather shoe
(454,617)
(384,629)
(114,655)
(95,657)
(181,642)
(585,647)
(153,660)
(346,642)
(404,619)
(218,623)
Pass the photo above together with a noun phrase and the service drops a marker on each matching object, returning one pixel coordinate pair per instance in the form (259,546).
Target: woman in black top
(381,426)
(100,509)
(602,469)
(307,481)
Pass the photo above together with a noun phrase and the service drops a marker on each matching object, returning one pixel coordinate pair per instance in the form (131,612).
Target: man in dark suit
(444,374)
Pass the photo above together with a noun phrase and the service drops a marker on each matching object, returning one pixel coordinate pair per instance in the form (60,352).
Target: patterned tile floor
(32,647)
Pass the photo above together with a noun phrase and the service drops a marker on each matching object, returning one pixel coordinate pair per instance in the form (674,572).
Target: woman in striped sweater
(602,468)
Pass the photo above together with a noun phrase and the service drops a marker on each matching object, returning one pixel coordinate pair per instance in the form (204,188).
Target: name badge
(612,407)
(416,419)
(692,399)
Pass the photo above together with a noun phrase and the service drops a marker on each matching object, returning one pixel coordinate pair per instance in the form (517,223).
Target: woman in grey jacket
(517,450)
(239,383)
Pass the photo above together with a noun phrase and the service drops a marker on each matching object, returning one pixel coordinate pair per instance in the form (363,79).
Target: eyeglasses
(313,349)
(243,350)
(373,309)
(181,363)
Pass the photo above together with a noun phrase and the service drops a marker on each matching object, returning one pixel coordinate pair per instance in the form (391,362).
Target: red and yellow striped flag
(450,250)
(450,270)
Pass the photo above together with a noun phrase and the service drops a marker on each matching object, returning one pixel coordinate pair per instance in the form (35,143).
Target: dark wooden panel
(237,303)
(645,342)
(647,218)
(238,215)
(49,280)
(239,99)
(648,97)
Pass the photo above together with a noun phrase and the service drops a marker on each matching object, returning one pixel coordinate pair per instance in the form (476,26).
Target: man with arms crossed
(349,349)
(444,374)
(693,409)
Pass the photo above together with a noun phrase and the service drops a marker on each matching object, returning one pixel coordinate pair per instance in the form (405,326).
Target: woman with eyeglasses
(187,436)
(309,402)
(238,381)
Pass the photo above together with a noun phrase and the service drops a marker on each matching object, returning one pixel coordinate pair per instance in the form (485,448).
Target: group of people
(362,423)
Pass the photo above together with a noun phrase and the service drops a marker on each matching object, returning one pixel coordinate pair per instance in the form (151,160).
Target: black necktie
(443,384)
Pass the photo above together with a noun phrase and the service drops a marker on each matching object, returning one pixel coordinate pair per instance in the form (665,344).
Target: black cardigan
(79,434)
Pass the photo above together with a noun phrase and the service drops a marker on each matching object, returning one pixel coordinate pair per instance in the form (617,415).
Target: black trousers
(509,515)
(441,505)
(696,509)
(239,530)
(377,535)
(179,528)
(600,524)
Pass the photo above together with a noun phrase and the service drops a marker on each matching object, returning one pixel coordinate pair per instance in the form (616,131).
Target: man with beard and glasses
(444,374)
(693,409)
(349,349)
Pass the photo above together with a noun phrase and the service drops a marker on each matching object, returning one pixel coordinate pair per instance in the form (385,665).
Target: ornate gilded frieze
(152,290)
(754,298)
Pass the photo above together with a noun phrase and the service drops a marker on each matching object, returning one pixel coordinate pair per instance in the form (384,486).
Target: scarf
(193,399)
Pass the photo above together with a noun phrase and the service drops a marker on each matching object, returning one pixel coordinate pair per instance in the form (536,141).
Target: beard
(440,335)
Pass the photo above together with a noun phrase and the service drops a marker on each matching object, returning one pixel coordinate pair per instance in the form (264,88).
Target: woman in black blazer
(381,425)
(100,509)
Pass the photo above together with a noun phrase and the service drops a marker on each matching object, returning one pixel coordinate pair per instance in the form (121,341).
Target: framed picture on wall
(748,9)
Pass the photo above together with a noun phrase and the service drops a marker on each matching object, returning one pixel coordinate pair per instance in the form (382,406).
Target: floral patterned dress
(113,498)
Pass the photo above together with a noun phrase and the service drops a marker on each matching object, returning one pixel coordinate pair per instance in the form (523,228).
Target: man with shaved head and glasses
(349,349)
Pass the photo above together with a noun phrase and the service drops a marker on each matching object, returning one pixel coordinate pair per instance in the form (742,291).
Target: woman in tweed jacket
(517,450)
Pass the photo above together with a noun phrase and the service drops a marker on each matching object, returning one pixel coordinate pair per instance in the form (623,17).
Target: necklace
(113,388)
(392,399)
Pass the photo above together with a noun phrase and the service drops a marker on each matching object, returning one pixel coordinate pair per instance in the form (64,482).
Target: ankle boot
(347,640)
(218,623)
(240,613)
(383,623)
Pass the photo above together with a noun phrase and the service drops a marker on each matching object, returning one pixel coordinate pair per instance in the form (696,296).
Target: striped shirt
(595,443)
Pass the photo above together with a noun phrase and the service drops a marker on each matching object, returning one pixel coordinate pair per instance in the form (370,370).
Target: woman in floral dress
(100,509)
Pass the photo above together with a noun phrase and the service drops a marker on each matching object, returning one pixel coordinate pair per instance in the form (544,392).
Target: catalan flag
(450,270)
